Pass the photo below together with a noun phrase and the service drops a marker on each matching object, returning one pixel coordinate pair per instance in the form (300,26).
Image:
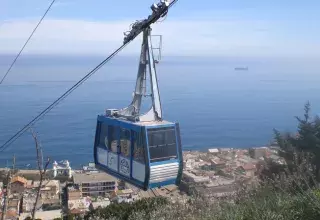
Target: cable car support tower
(147,63)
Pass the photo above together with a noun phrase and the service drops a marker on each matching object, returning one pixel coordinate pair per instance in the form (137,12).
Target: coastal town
(216,173)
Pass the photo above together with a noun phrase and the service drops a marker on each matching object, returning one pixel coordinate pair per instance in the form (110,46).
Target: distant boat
(241,68)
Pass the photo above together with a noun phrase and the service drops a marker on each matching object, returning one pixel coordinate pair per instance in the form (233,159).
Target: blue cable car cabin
(145,154)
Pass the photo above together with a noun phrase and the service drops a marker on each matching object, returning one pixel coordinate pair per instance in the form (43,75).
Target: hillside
(285,191)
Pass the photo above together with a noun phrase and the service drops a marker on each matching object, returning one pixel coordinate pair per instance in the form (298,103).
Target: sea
(216,105)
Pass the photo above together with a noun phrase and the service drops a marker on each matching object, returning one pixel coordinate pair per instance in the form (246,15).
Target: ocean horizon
(215,105)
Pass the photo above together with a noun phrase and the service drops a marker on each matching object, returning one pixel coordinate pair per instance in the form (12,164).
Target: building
(215,191)
(50,189)
(217,164)
(189,163)
(52,214)
(79,206)
(126,195)
(241,152)
(190,177)
(247,170)
(225,150)
(13,209)
(94,184)
(29,198)
(214,151)
(62,169)
(101,203)
(18,184)
(172,192)
(1,188)
(258,152)
(91,168)
(73,193)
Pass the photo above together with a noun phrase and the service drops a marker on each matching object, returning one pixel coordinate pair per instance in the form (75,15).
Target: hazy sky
(210,27)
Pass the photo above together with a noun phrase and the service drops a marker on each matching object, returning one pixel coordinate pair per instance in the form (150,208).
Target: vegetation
(303,148)
(286,192)
(124,210)
(262,203)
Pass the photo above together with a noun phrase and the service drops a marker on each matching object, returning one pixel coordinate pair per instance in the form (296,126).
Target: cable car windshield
(162,144)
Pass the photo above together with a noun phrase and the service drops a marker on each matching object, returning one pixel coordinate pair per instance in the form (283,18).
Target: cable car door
(124,152)
(112,141)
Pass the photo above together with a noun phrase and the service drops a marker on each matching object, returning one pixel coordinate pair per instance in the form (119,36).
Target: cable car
(143,150)
(145,154)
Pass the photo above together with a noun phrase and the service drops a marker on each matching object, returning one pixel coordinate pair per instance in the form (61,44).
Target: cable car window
(138,148)
(103,142)
(112,138)
(125,142)
(162,144)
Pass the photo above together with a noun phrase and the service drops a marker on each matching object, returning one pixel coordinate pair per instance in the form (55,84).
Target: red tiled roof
(19,179)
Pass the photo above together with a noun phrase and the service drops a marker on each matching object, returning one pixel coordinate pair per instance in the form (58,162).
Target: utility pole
(8,191)
(13,167)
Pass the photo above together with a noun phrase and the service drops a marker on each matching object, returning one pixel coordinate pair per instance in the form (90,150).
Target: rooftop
(141,123)
(47,183)
(217,161)
(213,150)
(225,149)
(51,183)
(19,179)
(103,203)
(44,214)
(92,178)
(153,123)
(169,190)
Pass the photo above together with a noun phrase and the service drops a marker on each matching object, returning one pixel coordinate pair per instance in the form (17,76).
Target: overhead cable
(57,101)
(25,44)
(69,91)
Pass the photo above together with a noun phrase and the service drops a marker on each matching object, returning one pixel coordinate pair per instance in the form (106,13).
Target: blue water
(215,105)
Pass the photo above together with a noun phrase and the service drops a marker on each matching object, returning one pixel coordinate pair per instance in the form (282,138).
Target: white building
(213,150)
(62,169)
(95,184)
(91,168)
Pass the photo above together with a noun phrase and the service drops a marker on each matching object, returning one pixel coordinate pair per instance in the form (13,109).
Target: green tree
(300,150)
